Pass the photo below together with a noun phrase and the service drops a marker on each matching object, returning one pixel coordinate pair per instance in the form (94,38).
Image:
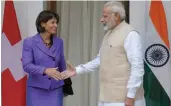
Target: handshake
(54,73)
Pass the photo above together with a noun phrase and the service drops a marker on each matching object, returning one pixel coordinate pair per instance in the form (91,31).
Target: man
(120,61)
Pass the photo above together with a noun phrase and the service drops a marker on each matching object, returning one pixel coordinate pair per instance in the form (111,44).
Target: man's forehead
(107,10)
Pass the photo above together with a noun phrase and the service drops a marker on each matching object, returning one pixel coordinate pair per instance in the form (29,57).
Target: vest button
(49,78)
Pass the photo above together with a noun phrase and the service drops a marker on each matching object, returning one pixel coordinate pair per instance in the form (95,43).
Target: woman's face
(50,26)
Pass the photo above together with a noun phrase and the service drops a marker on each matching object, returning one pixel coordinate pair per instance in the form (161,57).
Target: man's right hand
(53,73)
(71,71)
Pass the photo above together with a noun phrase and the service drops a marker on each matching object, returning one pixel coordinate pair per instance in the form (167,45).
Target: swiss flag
(13,77)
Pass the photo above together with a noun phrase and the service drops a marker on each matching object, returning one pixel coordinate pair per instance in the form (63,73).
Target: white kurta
(133,49)
(137,103)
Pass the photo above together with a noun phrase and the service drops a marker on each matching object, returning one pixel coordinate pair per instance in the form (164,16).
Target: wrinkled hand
(129,101)
(53,73)
(71,71)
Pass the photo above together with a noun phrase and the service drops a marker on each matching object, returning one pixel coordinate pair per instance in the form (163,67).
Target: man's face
(108,19)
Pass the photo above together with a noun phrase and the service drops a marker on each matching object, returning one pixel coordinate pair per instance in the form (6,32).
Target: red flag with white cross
(13,76)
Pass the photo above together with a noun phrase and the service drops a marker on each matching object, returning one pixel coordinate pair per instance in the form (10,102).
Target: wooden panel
(126,5)
(51,5)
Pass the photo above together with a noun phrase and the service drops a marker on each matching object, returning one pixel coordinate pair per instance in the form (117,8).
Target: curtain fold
(82,32)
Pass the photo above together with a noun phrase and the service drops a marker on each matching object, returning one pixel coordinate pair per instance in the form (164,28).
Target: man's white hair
(117,7)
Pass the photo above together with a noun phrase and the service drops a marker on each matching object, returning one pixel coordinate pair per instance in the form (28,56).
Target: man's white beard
(109,26)
(105,28)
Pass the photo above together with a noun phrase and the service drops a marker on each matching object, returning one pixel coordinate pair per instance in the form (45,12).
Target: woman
(43,59)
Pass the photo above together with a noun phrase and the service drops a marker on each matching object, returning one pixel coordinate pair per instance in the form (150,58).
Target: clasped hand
(57,75)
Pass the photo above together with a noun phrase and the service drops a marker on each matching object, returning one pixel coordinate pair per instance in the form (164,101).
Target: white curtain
(82,32)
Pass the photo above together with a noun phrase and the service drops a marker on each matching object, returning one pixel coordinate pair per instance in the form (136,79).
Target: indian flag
(157,78)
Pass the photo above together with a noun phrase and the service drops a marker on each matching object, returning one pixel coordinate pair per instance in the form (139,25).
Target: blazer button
(53,59)
(49,78)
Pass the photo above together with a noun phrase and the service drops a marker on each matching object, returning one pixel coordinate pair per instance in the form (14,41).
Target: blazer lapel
(55,45)
(40,44)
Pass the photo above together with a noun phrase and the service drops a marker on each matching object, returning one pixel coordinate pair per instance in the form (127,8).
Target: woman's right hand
(53,73)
